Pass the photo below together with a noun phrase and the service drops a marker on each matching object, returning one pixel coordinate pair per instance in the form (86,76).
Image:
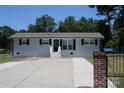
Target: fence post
(100,69)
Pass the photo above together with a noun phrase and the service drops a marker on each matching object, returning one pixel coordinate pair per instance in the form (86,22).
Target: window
(92,42)
(64,44)
(23,41)
(45,42)
(86,42)
(70,45)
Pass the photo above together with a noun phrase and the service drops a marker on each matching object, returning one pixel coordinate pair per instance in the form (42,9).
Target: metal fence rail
(116,69)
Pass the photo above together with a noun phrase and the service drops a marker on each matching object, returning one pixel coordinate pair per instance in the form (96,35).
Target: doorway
(56,45)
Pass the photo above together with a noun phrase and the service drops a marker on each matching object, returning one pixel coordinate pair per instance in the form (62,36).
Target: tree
(87,25)
(117,39)
(22,30)
(33,28)
(61,27)
(103,28)
(5,32)
(69,25)
(108,11)
(45,23)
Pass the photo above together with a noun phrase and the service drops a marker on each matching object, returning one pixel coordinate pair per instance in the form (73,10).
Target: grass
(89,58)
(7,58)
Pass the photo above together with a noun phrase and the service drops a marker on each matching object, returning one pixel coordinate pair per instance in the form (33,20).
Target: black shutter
(27,41)
(61,43)
(74,44)
(96,41)
(40,41)
(50,42)
(82,41)
(20,41)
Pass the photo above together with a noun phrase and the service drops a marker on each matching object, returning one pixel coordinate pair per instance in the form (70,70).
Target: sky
(19,17)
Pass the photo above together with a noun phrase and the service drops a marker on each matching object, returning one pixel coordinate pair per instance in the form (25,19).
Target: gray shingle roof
(59,35)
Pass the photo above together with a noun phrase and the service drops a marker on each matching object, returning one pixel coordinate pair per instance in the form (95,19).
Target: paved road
(45,72)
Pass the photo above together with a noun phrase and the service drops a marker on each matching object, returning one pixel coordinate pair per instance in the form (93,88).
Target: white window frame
(45,41)
(86,42)
(24,41)
(63,44)
(92,42)
(70,43)
(89,42)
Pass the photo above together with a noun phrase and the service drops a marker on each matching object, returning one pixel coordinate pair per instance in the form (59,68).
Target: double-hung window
(92,42)
(45,41)
(89,42)
(86,42)
(70,44)
(64,44)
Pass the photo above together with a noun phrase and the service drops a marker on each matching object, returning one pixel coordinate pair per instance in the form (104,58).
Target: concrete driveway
(46,72)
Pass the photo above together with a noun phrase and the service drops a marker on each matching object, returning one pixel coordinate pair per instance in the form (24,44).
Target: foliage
(45,23)
(81,25)
(103,28)
(113,42)
(87,25)
(5,32)
(32,28)
(22,30)
(69,25)
(108,11)
(114,13)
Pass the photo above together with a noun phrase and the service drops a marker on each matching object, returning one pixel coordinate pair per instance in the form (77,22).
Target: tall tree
(22,30)
(119,20)
(108,11)
(103,28)
(5,32)
(69,25)
(119,27)
(87,25)
(33,28)
(45,23)
(81,25)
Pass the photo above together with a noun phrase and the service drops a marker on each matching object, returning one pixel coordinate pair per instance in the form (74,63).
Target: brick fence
(100,70)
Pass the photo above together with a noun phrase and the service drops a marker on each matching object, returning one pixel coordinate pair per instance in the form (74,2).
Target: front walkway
(45,72)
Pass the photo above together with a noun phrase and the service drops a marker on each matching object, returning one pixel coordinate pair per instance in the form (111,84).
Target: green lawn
(7,58)
(89,58)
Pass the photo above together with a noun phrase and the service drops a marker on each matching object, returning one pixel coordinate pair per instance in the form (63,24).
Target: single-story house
(56,44)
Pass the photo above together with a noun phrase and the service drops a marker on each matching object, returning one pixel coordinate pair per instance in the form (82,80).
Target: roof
(58,35)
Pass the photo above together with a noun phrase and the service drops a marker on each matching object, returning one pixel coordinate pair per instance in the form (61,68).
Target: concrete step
(55,55)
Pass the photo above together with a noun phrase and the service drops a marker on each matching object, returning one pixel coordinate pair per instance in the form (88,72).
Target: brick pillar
(100,70)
